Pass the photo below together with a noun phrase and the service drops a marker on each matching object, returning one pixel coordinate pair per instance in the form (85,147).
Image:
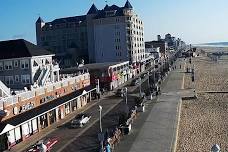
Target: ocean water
(211,45)
(219,44)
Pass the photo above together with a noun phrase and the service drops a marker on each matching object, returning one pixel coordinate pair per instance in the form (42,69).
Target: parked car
(80,120)
(120,92)
(44,145)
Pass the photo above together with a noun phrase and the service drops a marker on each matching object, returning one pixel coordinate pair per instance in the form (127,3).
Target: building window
(8,65)
(24,64)
(16,78)
(25,79)
(1,78)
(9,80)
(16,63)
(1,66)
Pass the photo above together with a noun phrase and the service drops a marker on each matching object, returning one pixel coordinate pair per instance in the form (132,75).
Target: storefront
(43,121)
(26,124)
(67,108)
(9,136)
(52,116)
(74,104)
(27,129)
(61,112)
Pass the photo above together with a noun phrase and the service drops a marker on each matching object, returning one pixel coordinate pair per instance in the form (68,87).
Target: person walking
(107,147)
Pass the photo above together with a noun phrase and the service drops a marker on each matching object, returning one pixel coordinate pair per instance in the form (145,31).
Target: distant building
(24,64)
(159,37)
(155,52)
(155,44)
(66,37)
(112,34)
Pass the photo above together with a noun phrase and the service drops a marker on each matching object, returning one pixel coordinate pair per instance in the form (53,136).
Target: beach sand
(204,121)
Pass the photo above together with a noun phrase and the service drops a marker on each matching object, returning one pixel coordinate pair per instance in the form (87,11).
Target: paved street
(155,129)
(88,141)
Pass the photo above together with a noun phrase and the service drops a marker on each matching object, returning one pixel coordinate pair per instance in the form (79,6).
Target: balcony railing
(41,90)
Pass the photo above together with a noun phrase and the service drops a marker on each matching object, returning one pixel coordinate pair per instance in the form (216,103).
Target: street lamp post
(98,85)
(148,73)
(154,76)
(140,87)
(101,133)
(126,95)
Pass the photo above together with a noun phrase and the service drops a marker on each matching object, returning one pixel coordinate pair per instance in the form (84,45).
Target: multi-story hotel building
(26,111)
(111,34)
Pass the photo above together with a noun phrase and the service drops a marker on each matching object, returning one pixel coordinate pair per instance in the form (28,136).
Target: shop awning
(33,113)
(5,128)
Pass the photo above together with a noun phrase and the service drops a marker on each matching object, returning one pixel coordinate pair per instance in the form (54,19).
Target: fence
(41,90)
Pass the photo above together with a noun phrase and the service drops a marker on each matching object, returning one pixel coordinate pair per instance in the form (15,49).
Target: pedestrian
(107,147)
(99,95)
(180,66)
(102,91)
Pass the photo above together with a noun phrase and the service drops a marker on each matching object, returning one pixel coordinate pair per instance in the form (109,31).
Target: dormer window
(110,13)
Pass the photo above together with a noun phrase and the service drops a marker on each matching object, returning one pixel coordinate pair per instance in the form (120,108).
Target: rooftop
(93,10)
(68,19)
(20,48)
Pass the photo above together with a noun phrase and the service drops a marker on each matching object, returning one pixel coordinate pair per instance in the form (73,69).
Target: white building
(23,64)
(118,35)
(155,52)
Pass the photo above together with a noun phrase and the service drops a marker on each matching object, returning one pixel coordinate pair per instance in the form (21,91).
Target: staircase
(41,76)
(37,75)
(45,73)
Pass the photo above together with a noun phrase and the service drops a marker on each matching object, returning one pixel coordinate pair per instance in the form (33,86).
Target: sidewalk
(155,129)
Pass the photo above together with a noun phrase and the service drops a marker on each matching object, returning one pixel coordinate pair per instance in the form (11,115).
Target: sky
(194,21)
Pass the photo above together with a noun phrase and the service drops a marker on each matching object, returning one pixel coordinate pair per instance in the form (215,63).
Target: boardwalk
(156,128)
